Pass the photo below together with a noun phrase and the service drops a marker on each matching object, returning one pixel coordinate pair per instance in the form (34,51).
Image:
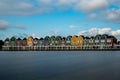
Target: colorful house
(86,42)
(13,42)
(97,40)
(111,41)
(30,41)
(46,41)
(103,41)
(58,40)
(24,42)
(81,40)
(63,41)
(52,40)
(41,42)
(91,40)
(74,40)
(7,42)
(18,42)
(35,41)
(68,40)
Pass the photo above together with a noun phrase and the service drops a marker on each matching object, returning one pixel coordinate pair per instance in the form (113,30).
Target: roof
(18,39)
(24,39)
(35,38)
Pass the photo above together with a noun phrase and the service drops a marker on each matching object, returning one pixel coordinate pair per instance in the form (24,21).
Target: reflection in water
(60,65)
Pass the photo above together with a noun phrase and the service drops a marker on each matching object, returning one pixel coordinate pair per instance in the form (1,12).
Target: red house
(111,41)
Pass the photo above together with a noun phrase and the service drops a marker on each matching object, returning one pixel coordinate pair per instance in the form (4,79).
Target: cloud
(92,5)
(17,7)
(29,7)
(116,33)
(3,25)
(95,31)
(72,26)
(112,15)
(20,27)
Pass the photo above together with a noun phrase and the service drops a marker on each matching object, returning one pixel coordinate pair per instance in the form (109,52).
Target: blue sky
(22,18)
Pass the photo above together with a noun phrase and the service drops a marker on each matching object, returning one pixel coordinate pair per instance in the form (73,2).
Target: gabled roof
(24,39)
(86,37)
(18,39)
(41,38)
(35,38)
(7,39)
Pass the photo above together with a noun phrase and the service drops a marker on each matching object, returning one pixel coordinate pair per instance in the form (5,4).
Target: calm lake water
(60,65)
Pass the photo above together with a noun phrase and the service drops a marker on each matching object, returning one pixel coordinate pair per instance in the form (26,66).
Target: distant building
(47,41)
(41,42)
(13,42)
(68,40)
(63,41)
(30,41)
(57,42)
(19,42)
(111,41)
(52,40)
(74,40)
(81,40)
(24,42)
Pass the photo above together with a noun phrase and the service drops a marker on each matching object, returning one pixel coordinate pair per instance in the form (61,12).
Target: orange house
(30,41)
(80,38)
(74,40)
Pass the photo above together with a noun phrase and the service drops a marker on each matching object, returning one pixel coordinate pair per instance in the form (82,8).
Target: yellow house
(80,38)
(30,41)
(74,41)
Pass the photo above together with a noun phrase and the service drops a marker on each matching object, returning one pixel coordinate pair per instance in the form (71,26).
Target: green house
(13,41)
(7,42)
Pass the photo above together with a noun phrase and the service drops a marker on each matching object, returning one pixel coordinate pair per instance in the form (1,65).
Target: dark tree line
(1,44)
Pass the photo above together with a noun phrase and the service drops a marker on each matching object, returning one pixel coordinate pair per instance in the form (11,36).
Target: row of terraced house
(57,42)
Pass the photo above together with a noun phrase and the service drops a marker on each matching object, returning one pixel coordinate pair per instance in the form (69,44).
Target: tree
(1,44)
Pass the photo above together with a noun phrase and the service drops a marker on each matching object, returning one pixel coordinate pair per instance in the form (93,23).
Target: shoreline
(67,50)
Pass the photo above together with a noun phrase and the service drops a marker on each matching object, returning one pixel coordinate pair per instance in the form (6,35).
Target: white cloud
(29,7)
(17,7)
(95,31)
(112,15)
(116,33)
(3,25)
(92,5)
(72,26)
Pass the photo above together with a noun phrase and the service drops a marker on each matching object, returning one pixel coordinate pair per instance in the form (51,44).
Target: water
(60,65)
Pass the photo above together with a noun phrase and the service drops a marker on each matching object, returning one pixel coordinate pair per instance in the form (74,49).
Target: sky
(40,18)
